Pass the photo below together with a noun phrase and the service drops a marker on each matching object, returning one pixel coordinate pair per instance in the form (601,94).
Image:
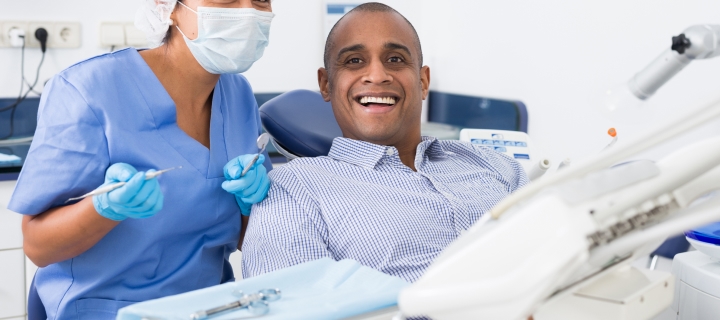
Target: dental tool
(257,304)
(262,142)
(111,187)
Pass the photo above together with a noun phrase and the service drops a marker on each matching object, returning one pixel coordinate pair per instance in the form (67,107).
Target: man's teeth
(386,100)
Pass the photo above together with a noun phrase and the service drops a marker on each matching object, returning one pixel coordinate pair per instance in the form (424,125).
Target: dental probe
(114,186)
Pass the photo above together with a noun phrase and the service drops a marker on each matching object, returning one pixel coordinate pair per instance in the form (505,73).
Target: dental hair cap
(153,18)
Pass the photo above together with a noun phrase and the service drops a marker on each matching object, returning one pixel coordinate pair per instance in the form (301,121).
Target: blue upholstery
(477,112)
(301,122)
(671,247)
(36,309)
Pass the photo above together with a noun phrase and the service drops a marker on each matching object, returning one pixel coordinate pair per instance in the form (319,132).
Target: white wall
(297,43)
(555,55)
(290,62)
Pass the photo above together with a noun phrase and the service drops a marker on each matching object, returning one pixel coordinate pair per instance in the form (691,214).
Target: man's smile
(377,102)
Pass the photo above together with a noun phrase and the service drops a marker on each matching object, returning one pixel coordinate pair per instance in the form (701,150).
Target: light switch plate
(134,37)
(112,34)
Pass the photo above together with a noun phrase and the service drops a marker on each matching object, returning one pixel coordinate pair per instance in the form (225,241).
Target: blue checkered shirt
(361,202)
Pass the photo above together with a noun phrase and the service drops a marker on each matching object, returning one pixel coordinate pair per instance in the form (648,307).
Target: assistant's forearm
(63,233)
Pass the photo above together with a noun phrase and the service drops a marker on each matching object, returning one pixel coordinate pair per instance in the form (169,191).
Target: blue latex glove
(137,199)
(250,189)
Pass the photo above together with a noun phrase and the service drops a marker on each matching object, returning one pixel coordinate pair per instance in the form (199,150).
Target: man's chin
(380,137)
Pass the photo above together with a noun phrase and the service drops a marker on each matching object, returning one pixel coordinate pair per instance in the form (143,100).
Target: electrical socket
(60,34)
(31,41)
(9,25)
(66,35)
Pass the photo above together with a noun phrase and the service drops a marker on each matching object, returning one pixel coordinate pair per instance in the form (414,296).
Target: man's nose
(377,73)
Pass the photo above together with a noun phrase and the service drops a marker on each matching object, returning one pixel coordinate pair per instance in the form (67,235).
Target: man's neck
(407,151)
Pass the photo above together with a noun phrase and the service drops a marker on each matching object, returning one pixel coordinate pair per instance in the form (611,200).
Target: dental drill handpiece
(114,186)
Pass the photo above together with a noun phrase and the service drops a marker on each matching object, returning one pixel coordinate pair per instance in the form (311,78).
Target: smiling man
(384,196)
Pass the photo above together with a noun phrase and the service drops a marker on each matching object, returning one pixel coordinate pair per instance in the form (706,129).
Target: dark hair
(369,7)
(166,38)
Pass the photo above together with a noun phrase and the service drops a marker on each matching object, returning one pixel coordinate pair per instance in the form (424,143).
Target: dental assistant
(117,116)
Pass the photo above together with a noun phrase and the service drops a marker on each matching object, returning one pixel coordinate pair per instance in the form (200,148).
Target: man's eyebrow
(397,46)
(357,47)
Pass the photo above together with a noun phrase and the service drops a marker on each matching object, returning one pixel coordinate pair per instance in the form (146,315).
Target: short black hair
(369,7)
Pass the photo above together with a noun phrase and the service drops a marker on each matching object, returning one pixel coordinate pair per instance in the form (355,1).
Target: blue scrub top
(110,109)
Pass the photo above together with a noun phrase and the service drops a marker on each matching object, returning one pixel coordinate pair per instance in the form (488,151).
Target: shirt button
(390,151)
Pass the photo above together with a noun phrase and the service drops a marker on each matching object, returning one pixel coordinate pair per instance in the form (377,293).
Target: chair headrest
(301,122)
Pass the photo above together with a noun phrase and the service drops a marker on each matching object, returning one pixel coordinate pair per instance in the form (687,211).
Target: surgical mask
(229,40)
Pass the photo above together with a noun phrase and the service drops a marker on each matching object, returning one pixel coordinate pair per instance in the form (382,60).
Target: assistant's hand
(250,189)
(137,199)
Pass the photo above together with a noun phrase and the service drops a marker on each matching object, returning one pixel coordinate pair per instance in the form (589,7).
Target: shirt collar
(367,155)
(432,148)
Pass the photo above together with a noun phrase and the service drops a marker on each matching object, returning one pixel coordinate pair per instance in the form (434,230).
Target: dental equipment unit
(514,144)
(561,247)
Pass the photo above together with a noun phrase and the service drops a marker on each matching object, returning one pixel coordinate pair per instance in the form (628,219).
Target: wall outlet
(31,41)
(60,34)
(10,25)
(66,35)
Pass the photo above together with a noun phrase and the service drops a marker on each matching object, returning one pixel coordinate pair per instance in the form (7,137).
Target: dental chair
(669,249)
(301,124)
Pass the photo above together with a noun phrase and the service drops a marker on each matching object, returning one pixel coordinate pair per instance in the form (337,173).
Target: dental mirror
(262,142)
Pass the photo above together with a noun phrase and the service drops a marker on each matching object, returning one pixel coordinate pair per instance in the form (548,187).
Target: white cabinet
(12,283)
(12,259)
(10,222)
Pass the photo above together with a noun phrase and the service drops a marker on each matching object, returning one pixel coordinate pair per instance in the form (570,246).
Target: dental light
(696,42)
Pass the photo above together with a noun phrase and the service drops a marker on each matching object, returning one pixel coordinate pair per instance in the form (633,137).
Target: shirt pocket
(99,309)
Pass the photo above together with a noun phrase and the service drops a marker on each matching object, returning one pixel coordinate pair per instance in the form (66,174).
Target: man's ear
(425,80)
(324,84)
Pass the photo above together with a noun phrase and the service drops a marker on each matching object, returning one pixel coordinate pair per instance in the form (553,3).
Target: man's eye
(395,59)
(354,60)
